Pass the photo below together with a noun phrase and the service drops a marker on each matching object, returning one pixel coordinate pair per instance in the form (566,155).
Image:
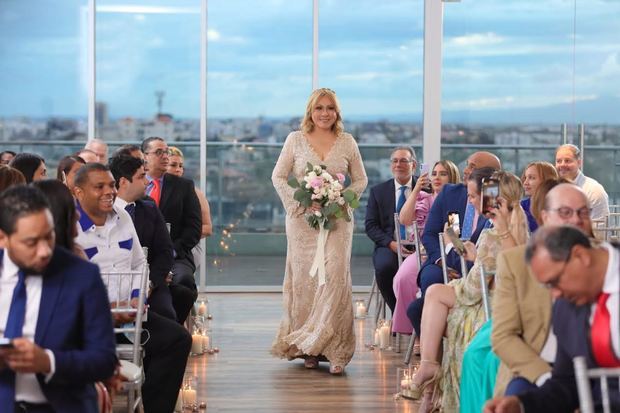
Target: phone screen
(459,247)
(453,222)
(490,193)
(423,168)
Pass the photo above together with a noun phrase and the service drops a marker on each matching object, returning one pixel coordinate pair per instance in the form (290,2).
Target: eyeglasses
(555,280)
(567,212)
(401,160)
(160,152)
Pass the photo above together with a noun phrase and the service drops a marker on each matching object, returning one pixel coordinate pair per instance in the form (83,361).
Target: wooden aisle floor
(244,377)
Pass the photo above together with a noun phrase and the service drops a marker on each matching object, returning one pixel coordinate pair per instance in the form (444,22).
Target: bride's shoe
(335,369)
(311,362)
(417,388)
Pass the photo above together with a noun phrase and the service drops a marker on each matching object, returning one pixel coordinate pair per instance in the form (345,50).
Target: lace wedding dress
(317,320)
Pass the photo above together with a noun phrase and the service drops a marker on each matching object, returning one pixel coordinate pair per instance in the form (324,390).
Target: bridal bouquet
(320,186)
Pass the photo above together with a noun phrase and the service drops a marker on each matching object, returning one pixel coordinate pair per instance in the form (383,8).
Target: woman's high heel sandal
(417,389)
(311,362)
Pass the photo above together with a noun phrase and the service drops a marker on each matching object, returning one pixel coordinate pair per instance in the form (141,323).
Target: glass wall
(42,73)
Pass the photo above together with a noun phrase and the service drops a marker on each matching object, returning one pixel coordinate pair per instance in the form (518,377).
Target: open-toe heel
(336,369)
(311,362)
(417,389)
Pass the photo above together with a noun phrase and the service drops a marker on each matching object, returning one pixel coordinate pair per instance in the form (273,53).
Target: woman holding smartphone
(416,209)
(455,309)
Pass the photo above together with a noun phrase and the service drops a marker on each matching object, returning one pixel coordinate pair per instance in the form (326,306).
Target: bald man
(100,148)
(568,162)
(453,198)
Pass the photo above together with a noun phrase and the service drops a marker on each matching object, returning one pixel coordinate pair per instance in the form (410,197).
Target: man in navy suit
(54,307)
(585,281)
(453,198)
(384,200)
(150,226)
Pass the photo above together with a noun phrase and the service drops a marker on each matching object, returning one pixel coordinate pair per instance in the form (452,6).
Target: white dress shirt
(397,186)
(27,388)
(596,194)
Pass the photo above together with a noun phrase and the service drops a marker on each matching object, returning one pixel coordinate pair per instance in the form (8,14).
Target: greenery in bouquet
(321,187)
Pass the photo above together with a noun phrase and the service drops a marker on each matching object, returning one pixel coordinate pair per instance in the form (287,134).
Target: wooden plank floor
(245,377)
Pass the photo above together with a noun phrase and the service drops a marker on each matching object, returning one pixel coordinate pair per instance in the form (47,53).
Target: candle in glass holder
(360,309)
(377,339)
(189,397)
(384,336)
(206,342)
(202,308)
(178,407)
(196,343)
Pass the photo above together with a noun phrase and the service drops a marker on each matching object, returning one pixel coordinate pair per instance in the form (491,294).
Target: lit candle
(360,310)
(377,339)
(196,344)
(384,336)
(202,308)
(189,397)
(405,384)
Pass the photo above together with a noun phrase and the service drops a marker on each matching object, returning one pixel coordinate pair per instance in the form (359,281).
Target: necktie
(468,222)
(600,334)
(131,209)
(155,191)
(14,327)
(399,205)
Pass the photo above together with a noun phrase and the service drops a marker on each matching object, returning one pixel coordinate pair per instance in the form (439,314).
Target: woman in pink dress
(416,209)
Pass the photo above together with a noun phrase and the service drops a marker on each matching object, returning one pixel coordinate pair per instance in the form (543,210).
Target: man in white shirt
(107,234)
(568,162)
(54,314)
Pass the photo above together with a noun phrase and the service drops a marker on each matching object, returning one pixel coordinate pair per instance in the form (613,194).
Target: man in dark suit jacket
(177,200)
(150,226)
(382,204)
(579,275)
(68,344)
(453,198)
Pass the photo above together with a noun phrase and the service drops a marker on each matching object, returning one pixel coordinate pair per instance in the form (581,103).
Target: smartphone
(424,169)
(490,193)
(6,343)
(459,247)
(453,222)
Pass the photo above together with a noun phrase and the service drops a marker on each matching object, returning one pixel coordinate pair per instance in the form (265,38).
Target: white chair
(484,287)
(120,285)
(413,228)
(583,375)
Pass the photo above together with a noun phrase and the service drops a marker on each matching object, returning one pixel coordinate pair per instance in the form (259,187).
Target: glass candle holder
(188,393)
(384,331)
(404,378)
(197,343)
(360,309)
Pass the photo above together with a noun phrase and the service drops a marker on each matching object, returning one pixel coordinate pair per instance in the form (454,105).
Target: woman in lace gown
(317,321)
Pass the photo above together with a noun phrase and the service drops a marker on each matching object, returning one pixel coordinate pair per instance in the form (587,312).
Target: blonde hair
(511,190)
(545,171)
(174,151)
(454,177)
(307,124)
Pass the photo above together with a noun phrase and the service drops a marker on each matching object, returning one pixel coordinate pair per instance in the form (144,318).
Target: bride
(318,320)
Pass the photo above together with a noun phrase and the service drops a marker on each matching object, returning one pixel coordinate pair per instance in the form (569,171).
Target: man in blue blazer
(383,202)
(453,198)
(54,309)
(585,281)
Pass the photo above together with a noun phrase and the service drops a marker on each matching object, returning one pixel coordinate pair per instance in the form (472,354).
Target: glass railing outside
(247,213)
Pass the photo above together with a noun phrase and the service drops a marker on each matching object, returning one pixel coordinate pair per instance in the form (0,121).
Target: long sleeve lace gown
(317,321)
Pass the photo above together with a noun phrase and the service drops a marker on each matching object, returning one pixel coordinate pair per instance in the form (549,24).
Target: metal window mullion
(203,130)
(433,33)
(315,44)
(91,53)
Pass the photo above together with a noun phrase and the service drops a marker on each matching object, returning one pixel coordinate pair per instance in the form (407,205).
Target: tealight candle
(360,310)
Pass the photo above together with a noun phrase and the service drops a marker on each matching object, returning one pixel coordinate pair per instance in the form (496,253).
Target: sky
(498,55)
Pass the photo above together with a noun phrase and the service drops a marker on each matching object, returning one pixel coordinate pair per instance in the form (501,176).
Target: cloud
(475,40)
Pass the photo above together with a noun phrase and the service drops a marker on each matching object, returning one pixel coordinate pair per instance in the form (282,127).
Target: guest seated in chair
(583,277)
(66,342)
(384,200)
(109,238)
(416,210)
(456,309)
